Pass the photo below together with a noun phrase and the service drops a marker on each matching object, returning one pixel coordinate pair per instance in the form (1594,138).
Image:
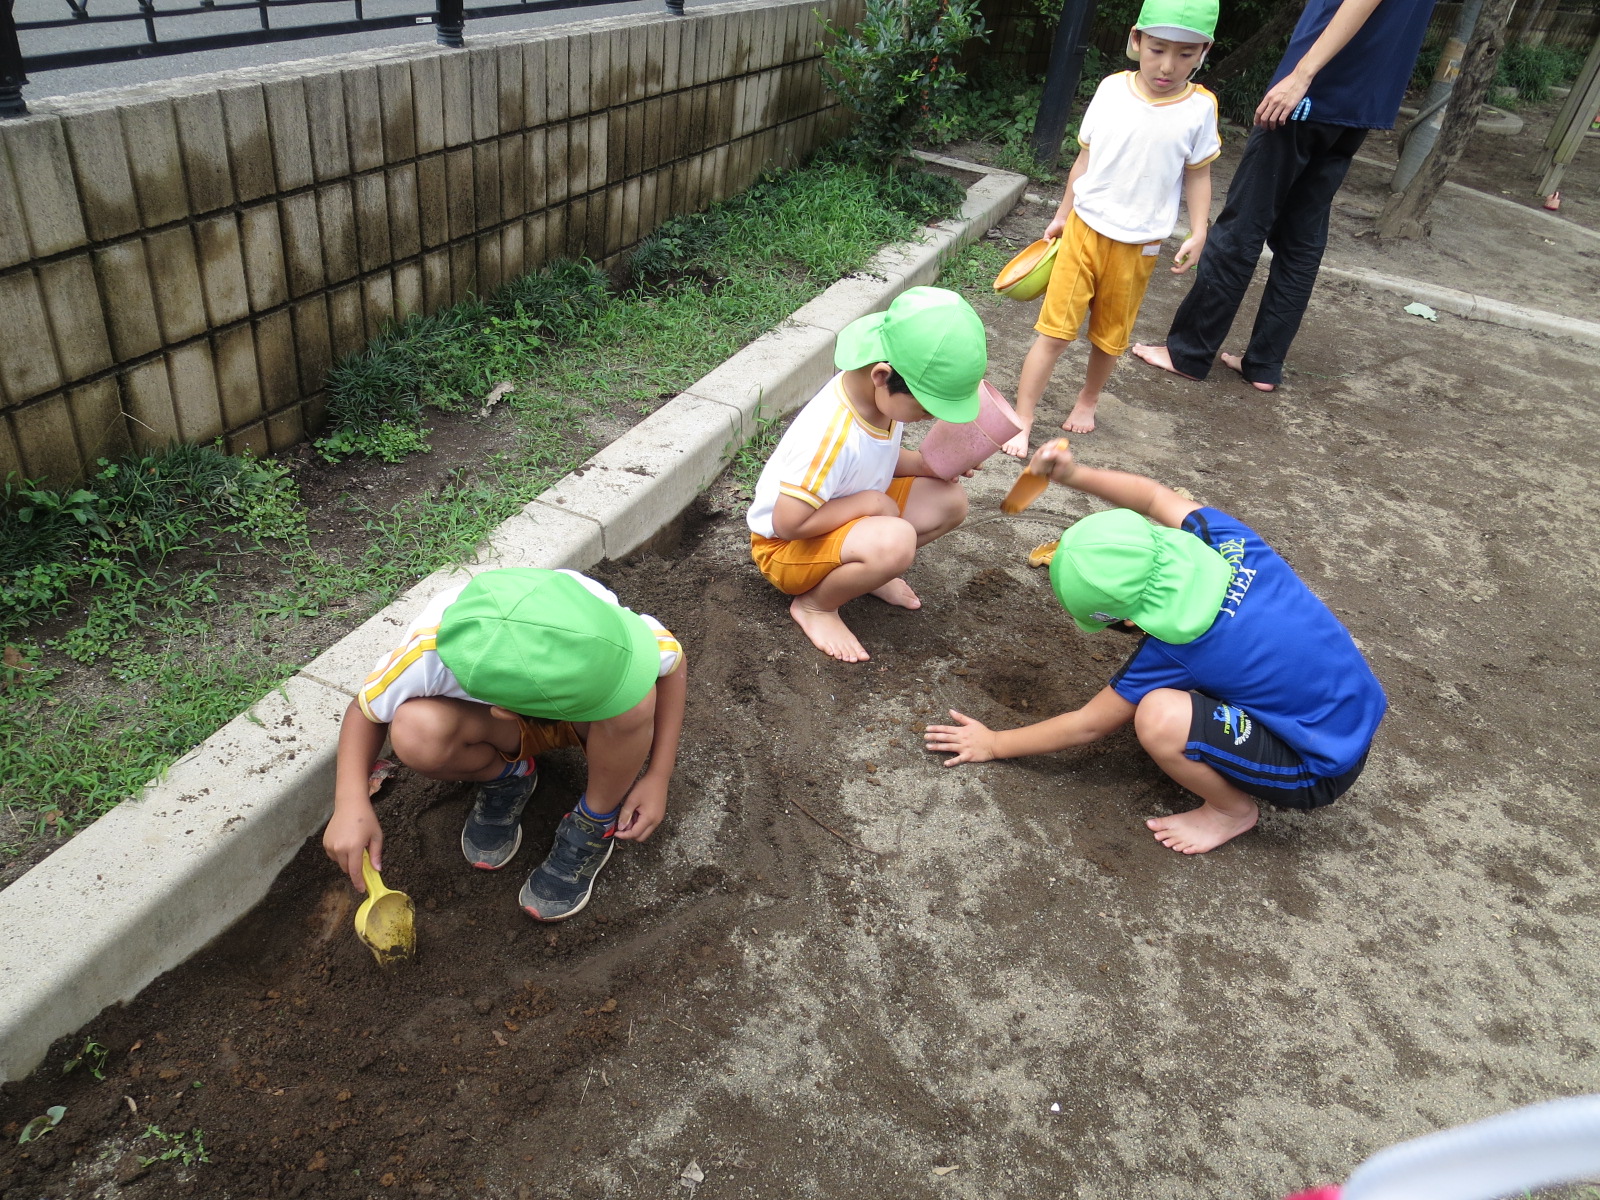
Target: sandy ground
(996,968)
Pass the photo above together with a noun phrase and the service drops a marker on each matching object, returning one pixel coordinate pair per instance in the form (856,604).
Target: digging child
(515,663)
(1147,137)
(841,510)
(1245,686)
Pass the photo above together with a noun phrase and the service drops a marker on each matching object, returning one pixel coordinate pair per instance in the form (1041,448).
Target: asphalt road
(72,80)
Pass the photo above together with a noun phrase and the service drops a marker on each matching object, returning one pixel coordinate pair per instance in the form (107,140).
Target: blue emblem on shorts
(1235,721)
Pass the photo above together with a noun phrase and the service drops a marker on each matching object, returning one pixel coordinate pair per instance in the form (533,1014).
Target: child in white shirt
(1148,136)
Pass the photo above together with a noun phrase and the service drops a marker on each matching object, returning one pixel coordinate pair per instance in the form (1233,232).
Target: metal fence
(184,28)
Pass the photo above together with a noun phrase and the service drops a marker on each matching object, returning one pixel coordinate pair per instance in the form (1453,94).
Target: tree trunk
(1265,38)
(1403,215)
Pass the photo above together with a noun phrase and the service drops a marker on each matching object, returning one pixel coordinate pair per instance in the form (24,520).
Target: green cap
(1179,20)
(541,644)
(1116,566)
(933,340)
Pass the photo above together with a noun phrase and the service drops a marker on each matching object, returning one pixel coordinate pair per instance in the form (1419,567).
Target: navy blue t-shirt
(1275,650)
(1363,84)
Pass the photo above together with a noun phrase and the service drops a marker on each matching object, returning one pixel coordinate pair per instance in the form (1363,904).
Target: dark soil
(839,970)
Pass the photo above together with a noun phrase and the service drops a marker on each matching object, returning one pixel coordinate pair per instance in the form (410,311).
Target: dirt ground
(840,970)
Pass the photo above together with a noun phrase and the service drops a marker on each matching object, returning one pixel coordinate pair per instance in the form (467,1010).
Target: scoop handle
(370,876)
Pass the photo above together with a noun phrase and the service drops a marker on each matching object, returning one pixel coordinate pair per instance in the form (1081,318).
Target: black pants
(1280,195)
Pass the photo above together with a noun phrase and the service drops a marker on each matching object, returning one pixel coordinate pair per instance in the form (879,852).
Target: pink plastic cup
(951,449)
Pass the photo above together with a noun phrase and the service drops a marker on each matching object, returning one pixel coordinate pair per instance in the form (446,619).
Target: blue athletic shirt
(1275,650)
(1363,84)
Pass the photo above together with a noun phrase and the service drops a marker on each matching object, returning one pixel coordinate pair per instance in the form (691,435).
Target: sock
(605,818)
(520,769)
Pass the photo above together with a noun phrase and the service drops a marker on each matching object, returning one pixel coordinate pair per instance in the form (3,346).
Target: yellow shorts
(796,567)
(1103,278)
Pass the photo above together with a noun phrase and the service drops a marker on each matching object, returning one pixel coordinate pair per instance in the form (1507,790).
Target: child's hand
(1057,226)
(1188,253)
(970,741)
(643,810)
(347,835)
(1054,459)
(1017,447)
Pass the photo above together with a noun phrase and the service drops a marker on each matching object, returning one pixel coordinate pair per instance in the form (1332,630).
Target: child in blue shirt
(1246,686)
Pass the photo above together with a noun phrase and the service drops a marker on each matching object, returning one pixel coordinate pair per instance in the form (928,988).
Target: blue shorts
(1256,760)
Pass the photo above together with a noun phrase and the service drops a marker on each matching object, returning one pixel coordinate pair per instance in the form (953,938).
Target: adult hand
(969,741)
(1278,105)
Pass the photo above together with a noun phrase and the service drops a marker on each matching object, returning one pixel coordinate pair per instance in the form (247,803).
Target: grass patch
(144,610)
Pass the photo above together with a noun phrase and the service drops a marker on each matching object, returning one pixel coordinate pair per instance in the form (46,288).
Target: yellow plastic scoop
(386,920)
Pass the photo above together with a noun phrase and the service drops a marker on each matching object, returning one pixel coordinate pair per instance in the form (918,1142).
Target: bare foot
(898,592)
(828,632)
(1157,356)
(1200,829)
(1081,418)
(1237,363)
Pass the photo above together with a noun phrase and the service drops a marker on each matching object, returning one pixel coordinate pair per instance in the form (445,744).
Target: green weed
(92,1057)
(187,1149)
(751,458)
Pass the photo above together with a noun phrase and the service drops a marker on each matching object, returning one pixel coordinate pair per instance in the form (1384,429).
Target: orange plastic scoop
(1028,487)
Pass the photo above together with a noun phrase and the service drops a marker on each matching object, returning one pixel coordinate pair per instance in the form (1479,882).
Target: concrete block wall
(186,261)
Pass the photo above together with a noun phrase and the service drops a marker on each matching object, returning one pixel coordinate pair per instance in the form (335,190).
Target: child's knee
(424,733)
(889,542)
(1162,720)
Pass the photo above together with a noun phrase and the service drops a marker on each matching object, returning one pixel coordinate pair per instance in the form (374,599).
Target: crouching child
(518,662)
(1245,687)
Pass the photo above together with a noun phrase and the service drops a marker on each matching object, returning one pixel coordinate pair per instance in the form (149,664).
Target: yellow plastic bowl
(1025,276)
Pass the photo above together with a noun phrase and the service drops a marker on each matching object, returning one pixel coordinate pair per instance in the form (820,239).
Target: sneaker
(559,887)
(493,831)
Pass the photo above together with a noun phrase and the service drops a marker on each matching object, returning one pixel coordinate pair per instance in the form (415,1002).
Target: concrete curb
(164,873)
(1472,306)
(1552,222)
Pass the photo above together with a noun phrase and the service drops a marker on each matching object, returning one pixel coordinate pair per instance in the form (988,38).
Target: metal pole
(675,7)
(1061,80)
(1423,133)
(12,76)
(451,20)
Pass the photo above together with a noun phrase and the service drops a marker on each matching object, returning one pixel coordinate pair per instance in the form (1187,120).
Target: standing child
(841,510)
(1147,137)
(1246,688)
(517,662)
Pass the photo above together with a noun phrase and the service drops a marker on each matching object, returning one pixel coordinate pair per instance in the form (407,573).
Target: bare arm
(1059,222)
(1119,488)
(795,519)
(1197,198)
(972,741)
(1279,103)
(646,804)
(355,826)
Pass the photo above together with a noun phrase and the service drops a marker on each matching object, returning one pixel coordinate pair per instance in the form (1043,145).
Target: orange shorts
(540,736)
(1095,275)
(796,567)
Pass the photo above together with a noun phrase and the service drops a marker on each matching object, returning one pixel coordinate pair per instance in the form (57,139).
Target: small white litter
(1417,309)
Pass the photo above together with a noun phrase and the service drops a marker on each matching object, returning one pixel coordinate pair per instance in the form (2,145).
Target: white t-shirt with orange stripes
(829,451)
(414,669)
(1139,150)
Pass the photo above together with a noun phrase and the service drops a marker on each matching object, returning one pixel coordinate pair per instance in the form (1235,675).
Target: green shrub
(896,67)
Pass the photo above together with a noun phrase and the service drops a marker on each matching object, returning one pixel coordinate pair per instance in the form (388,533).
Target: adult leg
(1162,723)
(1260,184)
(1298,238)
